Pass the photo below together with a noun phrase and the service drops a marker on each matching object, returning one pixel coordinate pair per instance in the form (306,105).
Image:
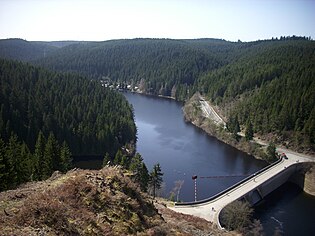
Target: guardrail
(229,188)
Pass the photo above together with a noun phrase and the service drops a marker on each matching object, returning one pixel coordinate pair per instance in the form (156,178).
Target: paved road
(210,210)
(205,210)
(210,113)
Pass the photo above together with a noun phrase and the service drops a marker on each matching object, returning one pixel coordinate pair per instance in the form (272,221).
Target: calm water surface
(183,150)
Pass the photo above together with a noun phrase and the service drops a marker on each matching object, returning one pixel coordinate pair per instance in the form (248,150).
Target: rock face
(309,181)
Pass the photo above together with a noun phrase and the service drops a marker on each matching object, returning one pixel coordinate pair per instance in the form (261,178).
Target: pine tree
(144,177)
(50,156)
(156,178)
(107,160)
(271,152)
(38,159)
(65,157)
(233,126)
(56,158)
(12,156)
(236,128)
(3,174)
(118,157)
(24,165)
(249,133)
(140,171)
(124,162)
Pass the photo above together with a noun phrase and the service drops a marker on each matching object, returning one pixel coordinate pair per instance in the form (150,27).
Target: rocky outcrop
(193,113)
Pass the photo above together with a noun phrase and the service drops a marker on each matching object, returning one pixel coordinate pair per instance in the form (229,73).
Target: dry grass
(82,202)
(102,202)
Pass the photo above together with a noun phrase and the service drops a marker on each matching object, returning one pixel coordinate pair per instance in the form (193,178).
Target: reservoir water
(183,150)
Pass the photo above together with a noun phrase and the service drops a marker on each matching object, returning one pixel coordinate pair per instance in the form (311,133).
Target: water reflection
(184,150)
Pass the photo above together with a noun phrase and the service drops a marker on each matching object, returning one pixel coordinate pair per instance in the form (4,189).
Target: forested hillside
(22,50)
(268,83)
(90,118)
(271,87)
(157,66)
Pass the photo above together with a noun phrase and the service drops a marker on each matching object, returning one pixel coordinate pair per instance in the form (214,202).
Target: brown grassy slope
(86,202)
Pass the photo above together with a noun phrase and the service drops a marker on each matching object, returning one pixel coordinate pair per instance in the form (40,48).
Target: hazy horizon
(97,20)
(75,40)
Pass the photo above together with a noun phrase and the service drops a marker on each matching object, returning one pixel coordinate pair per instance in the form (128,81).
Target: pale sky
(99,20)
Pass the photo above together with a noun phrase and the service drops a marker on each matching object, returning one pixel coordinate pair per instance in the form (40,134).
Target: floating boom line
(222,176)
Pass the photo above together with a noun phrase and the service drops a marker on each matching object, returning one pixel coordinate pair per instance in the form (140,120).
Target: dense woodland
(46,116)
(91,119)
(157,66)
(268,84)
(273,89)
(19,165)
(22,50)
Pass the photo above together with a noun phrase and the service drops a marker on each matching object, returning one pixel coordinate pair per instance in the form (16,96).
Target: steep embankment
(85,202)
(194,113)
(272,88)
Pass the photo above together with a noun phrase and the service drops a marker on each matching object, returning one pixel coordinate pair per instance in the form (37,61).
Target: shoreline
(192,113)
(197,122)
(255,148)
(151,95)
(199,119)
